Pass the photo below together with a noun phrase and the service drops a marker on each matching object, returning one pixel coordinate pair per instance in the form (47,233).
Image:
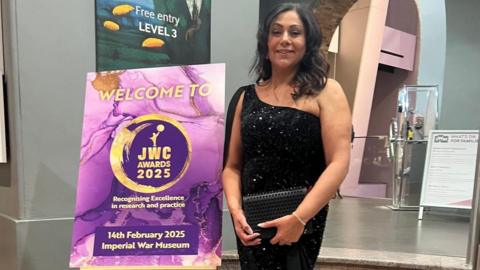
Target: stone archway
(329,14)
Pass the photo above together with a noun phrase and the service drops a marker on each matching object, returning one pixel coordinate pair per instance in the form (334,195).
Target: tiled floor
(367,224)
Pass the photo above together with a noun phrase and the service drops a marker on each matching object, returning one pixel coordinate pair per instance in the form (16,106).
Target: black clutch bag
(267,206)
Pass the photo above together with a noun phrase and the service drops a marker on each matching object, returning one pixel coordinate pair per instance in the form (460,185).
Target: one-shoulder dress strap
(230,115)
(249,91)
(248,97)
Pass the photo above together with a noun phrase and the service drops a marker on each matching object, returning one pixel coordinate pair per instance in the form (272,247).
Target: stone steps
(355,259)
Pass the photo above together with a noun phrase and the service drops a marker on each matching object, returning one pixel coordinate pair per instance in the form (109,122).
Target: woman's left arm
(336,123)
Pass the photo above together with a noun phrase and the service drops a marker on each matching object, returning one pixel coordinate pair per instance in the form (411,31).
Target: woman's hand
(289,230)
(244,231)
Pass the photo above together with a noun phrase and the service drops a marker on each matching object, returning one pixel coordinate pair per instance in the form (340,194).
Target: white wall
(433,42)
(234,26)
(461,94)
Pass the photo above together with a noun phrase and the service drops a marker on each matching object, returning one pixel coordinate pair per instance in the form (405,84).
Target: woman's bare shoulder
(332,86)
(332,91)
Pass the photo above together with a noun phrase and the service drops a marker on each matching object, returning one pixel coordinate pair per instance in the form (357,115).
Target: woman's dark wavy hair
(312,73)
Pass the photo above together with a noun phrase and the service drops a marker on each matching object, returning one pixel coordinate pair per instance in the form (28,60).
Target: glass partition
(417,114)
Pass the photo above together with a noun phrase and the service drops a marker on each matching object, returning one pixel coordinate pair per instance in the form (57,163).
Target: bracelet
(299,219)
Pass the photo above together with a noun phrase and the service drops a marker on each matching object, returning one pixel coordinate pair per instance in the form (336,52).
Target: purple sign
(149,190)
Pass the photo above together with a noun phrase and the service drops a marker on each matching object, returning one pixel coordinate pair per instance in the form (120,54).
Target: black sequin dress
(282,148)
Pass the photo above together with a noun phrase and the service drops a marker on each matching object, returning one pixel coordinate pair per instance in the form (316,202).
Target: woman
(292,128)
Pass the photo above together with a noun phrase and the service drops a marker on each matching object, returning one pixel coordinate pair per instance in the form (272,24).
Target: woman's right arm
(232,183)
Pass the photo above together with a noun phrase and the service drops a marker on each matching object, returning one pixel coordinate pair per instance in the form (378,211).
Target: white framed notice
(449,172)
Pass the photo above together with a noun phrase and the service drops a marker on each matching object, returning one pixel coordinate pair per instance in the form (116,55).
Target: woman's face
(286,41)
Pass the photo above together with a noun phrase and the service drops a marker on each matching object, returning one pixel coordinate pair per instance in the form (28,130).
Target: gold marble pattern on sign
(107,81)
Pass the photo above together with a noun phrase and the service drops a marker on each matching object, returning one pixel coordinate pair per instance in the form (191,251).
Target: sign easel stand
(149,268)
